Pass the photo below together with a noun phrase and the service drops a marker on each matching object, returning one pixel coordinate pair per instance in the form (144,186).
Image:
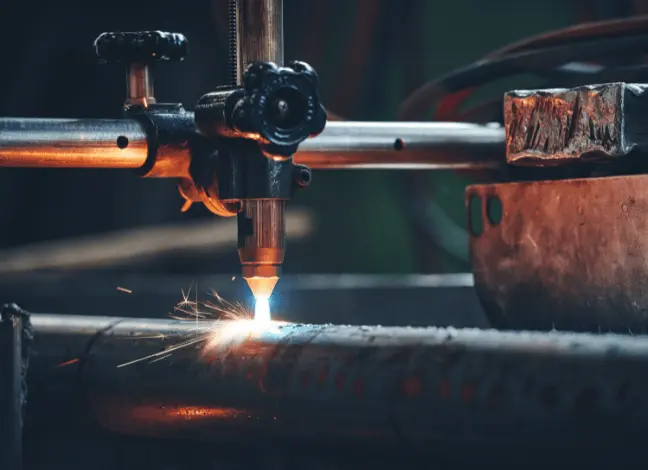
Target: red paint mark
(305,379)
(322,375)
(412,387)
(358,388)
(445,388)
(467,393)
(339,380)
(250,375)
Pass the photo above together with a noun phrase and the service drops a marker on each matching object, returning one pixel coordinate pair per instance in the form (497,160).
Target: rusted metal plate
(570,255)
(588,123)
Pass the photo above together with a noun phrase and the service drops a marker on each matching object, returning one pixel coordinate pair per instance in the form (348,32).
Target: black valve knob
(138,51)
(281,104)
(141,46)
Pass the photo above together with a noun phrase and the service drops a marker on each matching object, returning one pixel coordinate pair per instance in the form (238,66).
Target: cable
(571,35)
(416,106)
(492,110)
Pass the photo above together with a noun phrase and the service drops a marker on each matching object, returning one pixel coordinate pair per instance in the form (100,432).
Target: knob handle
(141,46)
(281,104)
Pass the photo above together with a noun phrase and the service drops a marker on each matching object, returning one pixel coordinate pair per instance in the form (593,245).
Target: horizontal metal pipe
(72,143)
(404,145)
(517,391)
(75,143)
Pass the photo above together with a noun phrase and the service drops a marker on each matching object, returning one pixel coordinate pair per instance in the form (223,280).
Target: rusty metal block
(588,123)
(570,255)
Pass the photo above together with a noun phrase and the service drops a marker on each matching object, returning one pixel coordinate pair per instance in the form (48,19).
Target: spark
(123,289)
(160,358)
(76,360)
(220,324)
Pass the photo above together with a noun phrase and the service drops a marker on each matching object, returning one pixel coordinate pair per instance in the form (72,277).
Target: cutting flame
(262,310)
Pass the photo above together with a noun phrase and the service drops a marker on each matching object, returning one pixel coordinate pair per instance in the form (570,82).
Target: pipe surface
(72,143)
(524,392)
(403,145)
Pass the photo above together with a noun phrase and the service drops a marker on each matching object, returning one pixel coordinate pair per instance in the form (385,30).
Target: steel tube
(404,145)
(72,143)
(75,143)
(259,33)
(522,391)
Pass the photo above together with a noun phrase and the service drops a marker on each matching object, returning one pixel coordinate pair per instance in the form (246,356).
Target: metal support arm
(70,143)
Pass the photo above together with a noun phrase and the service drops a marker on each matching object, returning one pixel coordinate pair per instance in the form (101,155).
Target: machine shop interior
(323,234)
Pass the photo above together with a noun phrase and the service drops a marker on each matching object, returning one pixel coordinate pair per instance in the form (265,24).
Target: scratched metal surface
(506,396)
(588,123)
(570,255)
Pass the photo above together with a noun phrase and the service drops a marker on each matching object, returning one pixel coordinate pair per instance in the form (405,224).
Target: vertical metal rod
(232,43)
(261,227)
(11,388)
(139,84)
(259,32)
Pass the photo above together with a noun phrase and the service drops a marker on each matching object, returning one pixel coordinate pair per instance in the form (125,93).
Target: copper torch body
(261,243)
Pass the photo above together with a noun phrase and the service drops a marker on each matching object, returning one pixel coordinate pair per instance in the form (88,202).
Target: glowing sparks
(123,289)
(220,325)
(262,310)
(76,360)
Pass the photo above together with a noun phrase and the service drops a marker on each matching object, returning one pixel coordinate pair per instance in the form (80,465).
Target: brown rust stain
(550,127)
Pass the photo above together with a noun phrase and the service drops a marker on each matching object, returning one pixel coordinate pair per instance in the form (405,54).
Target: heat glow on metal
(220,324)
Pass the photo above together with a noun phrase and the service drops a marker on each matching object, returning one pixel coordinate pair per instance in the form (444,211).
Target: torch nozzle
(261,244)
(262,286)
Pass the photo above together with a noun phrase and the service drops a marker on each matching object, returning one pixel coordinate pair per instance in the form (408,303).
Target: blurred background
(370,54)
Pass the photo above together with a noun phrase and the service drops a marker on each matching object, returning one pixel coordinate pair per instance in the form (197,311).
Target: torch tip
(262,286)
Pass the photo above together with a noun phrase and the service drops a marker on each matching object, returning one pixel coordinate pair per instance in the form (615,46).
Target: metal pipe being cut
(202,380)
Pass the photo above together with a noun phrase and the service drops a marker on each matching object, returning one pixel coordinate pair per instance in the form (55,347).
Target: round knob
(282,104)
(142,46)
